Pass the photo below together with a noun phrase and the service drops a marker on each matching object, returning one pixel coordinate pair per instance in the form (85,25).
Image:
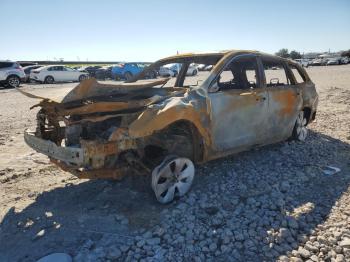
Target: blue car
(128,70)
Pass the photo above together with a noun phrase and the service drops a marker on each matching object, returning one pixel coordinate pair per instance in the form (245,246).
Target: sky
(137,30)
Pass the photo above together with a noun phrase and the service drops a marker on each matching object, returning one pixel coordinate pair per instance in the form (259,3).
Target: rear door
(285,99)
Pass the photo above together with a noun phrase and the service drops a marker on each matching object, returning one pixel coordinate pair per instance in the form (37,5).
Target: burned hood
(91,97)
(91,88)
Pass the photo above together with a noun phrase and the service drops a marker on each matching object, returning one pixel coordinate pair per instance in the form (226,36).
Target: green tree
(283,53)
(295,54)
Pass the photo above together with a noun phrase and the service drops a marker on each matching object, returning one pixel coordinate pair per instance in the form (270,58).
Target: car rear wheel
(13,81)
(128,75)
(49,80)
(300,131)
(82,78)
(172,178)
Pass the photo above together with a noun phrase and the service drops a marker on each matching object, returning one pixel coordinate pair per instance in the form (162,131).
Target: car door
(238,105)
(70,74)
(57,74)
(285,99)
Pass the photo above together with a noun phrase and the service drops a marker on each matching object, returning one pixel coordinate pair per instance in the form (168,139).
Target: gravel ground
(272,203)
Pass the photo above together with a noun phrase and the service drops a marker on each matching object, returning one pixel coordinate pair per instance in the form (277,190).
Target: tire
(127,76)
(300,131)
(194,72)
(13,81)
(49,80)
(82,78)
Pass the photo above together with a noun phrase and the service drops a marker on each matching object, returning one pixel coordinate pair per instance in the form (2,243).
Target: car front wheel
(172,178)
(13,81)
(300,131)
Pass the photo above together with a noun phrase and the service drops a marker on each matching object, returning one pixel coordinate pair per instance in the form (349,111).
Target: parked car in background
(11,74)
(333,61)
(303,62)
(208,68)
(28,69)
(167,72)
(104,72)
(318,62)
(201,67)
(344,60)
(127,70)
(191,71)
(90,69)
(57,73)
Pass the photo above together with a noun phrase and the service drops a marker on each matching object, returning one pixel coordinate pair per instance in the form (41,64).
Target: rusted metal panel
(239,118)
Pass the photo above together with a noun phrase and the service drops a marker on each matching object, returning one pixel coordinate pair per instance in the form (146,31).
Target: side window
(50,68)
(299,77)
(5,64)
(241,73)
(275,73)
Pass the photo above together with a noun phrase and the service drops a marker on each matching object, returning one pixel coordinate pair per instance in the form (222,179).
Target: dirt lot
(266,204)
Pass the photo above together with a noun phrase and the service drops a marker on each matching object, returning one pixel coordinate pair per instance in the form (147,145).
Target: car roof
(217,54)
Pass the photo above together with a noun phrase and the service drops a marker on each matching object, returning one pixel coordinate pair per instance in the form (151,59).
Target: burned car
(163,126)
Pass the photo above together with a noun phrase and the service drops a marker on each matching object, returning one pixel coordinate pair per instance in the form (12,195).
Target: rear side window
(5,64)
(299,77)
(275,73)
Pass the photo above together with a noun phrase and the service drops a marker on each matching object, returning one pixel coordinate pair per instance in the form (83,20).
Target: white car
(303,62)
(191,71)
(11,74)
(57,73)
(167,72)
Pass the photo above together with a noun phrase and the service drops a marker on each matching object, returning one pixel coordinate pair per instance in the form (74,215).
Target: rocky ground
(272,203)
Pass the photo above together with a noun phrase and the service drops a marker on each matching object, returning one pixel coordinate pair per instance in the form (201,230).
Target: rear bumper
(71,155)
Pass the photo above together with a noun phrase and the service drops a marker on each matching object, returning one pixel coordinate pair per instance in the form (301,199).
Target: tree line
(296,55)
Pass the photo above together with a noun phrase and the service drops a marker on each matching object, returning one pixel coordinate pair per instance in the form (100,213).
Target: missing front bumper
(71,155)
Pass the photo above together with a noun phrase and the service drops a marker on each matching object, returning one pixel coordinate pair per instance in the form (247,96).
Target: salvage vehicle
(56,73)
(162,128)
(11,74)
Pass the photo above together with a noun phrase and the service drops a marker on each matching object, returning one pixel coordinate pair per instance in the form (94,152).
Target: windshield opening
(189,71)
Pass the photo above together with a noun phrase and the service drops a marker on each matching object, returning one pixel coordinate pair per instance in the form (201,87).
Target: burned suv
(163,126)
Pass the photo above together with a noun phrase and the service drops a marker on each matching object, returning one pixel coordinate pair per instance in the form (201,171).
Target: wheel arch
(168,138)
(49,76)
(13,75)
